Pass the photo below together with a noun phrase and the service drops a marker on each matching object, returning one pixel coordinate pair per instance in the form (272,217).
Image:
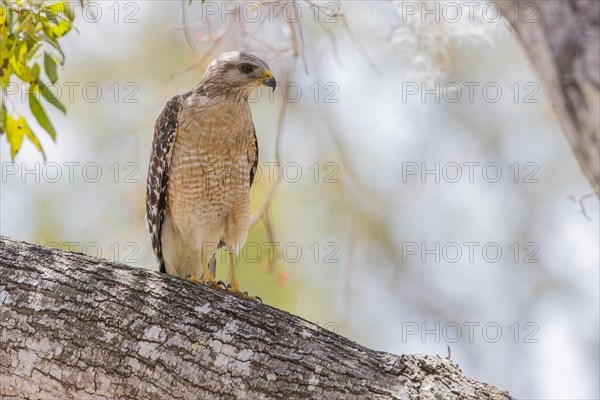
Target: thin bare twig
(184,19)
(277,179)
(360,47)
(301,36)
(579,200)
(201,61)
(273,262)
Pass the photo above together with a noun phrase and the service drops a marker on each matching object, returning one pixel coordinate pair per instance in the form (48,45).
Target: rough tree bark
(562,39)
(79,327)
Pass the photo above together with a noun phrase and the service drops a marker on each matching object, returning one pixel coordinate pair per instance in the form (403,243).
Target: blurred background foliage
(347,209)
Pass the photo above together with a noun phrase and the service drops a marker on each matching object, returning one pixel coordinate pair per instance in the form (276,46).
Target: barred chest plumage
(212,156)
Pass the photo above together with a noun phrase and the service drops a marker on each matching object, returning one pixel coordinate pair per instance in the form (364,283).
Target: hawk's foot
(210,281)
(237,290)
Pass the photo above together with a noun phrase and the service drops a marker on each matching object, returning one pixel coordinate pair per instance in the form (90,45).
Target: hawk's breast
(209,165)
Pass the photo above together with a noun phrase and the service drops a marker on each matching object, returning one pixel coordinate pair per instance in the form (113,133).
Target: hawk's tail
(212,265)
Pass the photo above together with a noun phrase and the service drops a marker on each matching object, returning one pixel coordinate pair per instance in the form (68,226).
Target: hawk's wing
(255,163)
(158,173)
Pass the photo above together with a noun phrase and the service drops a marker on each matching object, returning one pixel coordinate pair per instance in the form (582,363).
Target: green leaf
(35,72)
(60,29)
(22,52)
(57,7)
(35,142)
(4,119)
(5,72)
(51,15)
(51,41)
(50,67)
(23,72)
(40,115)
(15,131)
(49,96)
(69,12)
(3,15)
(31,52)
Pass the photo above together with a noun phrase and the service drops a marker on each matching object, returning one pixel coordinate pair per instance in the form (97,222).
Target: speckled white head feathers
(239,70)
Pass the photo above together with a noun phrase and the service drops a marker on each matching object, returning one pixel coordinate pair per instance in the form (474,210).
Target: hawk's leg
(207,278)
(235,287)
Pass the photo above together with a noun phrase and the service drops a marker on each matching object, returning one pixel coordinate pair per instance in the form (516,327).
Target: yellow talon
(235,287)
(207,278)
(239,292)
(210,281)
(194,279)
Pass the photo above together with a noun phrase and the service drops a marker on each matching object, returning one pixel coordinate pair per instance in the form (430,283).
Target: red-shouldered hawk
(204,157)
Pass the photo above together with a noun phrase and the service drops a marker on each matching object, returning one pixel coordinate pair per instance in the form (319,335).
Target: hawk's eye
(246,68)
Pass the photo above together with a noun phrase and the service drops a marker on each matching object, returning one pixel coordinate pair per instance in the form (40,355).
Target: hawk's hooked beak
(269,80)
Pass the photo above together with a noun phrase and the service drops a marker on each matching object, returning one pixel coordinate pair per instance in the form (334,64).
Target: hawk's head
(236,70)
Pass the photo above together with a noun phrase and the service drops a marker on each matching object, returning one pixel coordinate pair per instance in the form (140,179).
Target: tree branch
(75,326)
(561,39)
